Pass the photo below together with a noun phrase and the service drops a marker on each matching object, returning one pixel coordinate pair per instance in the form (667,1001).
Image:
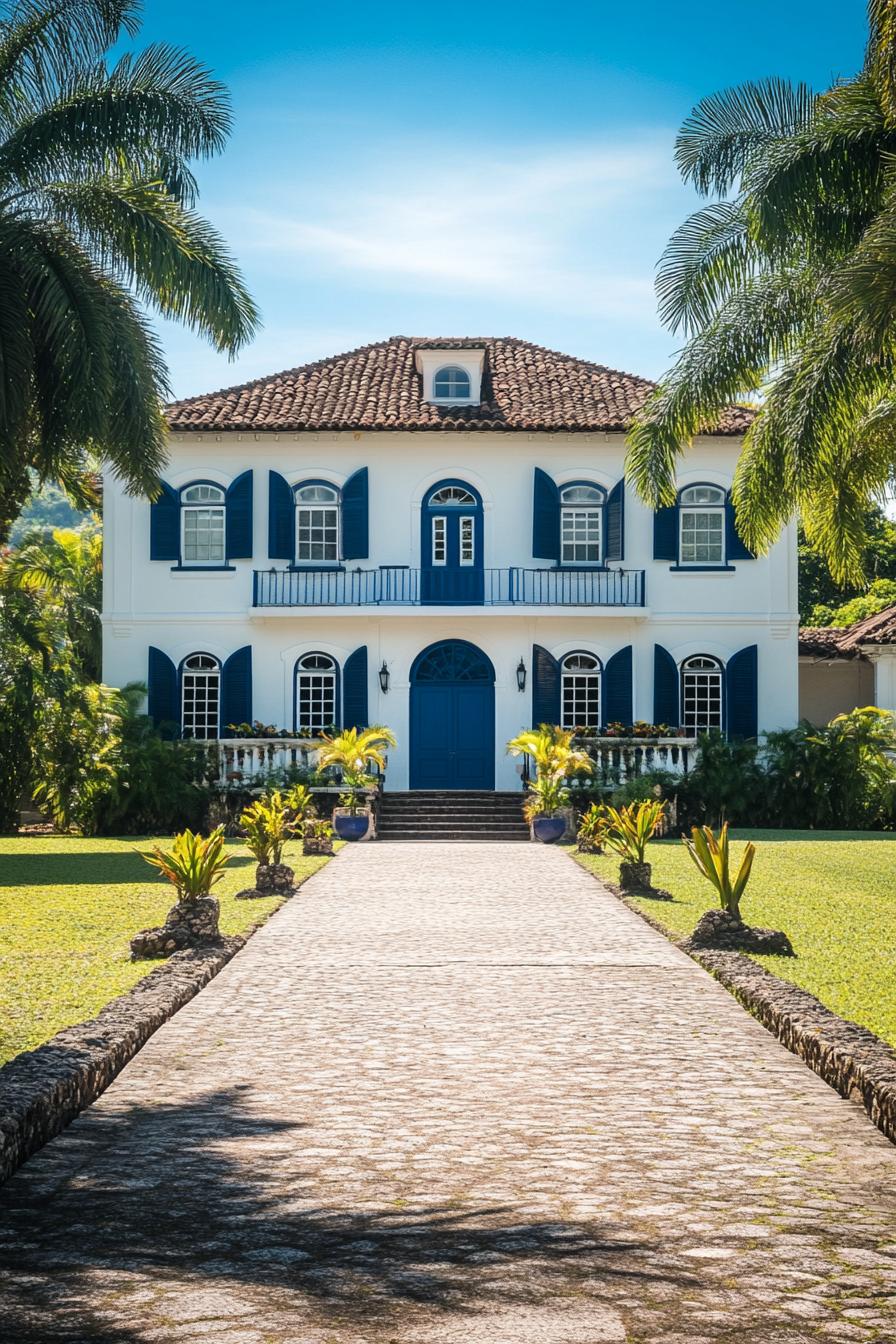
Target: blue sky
(500,169)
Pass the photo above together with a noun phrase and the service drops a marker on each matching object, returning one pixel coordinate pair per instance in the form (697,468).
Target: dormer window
(451,384)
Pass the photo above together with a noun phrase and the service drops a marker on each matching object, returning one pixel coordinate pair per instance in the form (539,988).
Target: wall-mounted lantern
(384,677)
(521,676)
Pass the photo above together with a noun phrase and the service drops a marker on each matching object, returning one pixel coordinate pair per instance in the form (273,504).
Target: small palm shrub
(354,752)
(266,828)
(627,830)
(590,835)
(193,864)
(299,804)
(555,759)
(712,859)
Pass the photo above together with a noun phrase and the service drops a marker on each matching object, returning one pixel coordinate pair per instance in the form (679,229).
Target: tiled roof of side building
(837,641)
(378,387)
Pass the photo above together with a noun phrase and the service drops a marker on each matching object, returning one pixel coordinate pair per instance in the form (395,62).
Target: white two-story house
(436,534)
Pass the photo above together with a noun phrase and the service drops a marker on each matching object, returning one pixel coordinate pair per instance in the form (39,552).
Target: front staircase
(442,814)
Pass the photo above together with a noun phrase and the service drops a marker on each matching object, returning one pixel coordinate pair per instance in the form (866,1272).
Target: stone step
(461,835)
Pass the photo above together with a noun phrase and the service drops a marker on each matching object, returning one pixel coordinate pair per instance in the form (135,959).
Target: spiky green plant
(592,824)
(627,830)
(355,751)
(193,864)
(300,807)
(266,827)
(711,857)
(97,219)
(555,759)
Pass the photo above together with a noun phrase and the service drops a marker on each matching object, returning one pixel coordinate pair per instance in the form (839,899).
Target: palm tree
(786,286)
(96,222)
(67,566)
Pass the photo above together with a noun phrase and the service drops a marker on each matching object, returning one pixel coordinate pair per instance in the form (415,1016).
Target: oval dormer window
(451,384)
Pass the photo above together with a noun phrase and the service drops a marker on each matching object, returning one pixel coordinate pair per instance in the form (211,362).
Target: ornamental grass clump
(712,858)
(627,832)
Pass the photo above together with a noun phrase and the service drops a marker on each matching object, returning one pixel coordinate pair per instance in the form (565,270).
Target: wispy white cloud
(538,225)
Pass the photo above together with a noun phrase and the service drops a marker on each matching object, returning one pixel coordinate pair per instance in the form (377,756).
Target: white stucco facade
(154,603)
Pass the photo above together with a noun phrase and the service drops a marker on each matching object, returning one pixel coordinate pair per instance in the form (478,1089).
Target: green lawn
(68,907)
(833,892)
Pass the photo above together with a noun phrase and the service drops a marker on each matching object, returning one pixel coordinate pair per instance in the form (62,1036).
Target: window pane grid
(451,383)
(200,690)
(439,541)
(581,700)
(317,533)
(702,536)
(467,541)
(702,699)
(315,692)
(580,536)
(203,534)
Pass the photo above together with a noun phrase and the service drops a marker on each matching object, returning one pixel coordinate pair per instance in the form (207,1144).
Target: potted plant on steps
(355,751)
(555,761)
(193,865)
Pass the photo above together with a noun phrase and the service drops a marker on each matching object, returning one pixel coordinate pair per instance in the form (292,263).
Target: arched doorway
(452,738)
(451,545)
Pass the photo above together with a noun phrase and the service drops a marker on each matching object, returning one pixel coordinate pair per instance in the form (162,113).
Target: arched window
(701,522)
(580,689)
(317,523)
(581,524)
(701,693)
(202,525)
(317,678)
(453,495)
(452,384)
(200,694)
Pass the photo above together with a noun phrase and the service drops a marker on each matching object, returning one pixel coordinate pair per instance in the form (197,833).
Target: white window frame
(703,665)
(327,689)
(592,512)
(190,679)
(578,679)
(452,371)
(332,504)
(466,540)
(439,554)
(453,496)
(214,503)
(709,508)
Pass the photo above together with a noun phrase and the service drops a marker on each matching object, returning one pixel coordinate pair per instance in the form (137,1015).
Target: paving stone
(456,1094)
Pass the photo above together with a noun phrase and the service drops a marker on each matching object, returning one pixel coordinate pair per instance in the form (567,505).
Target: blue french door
(452,738)
(451,548)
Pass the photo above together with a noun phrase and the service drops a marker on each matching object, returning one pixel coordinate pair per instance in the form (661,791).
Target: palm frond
(707,257)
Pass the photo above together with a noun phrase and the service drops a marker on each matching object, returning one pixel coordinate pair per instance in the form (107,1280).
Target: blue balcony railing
(397,585)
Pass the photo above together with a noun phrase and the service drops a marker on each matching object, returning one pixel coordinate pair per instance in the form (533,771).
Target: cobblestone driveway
(457,1094)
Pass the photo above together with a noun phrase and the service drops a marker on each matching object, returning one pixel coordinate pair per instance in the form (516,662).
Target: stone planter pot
(635,876)
(349,827)
(317,844)
(187,924)
(548,830)
(719,930)
(274,879)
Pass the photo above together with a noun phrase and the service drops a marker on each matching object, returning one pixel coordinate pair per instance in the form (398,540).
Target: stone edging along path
(850,1059)
(42,1090)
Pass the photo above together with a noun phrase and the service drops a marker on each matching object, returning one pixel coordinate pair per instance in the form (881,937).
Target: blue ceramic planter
(548,829)
(350,828)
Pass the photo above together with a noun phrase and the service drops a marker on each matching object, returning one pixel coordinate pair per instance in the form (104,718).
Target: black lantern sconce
(384,677)
(521,675)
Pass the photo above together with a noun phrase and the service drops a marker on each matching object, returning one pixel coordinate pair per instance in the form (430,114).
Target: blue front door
(452,740)
(451,547)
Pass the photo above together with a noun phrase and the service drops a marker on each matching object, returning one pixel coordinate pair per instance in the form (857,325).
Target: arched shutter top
(236,688)
(354,690)
(239,518)
(665,687)
(545,687)
(545,517)
(617,688)
(742,692)
(355,517)
(164,525)
(615,516)
(163,702)
(281,519)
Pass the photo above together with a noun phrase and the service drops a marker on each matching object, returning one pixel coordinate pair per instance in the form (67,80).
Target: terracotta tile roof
(524,387)
(821,641)
(879,629)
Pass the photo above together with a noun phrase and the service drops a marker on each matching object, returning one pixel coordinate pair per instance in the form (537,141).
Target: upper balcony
(398,585)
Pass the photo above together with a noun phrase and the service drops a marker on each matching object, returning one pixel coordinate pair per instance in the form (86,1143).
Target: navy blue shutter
(742,692)
(163,703)
(281,519)
(355,517)
(545,687)
(236,688)
(615,515)
(665,687)
(665,533)
(545,518)
(735,546)
(239,518)
(617,688)
(164,525)
(354,689)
